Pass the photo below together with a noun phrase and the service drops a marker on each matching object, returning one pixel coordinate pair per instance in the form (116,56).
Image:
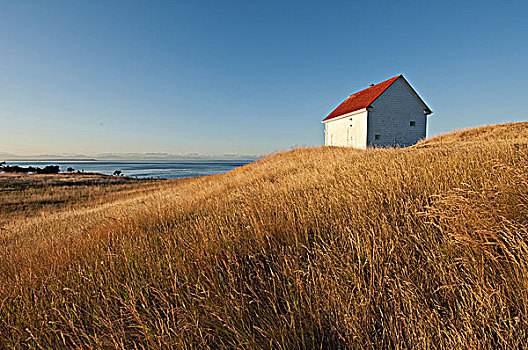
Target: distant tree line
(48,169)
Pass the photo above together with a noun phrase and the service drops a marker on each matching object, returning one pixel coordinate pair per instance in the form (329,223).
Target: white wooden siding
(348,131)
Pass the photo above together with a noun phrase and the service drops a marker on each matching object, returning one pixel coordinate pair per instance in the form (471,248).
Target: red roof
(361,99)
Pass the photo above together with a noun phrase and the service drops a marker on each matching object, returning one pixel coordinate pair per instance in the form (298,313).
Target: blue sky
(214,77)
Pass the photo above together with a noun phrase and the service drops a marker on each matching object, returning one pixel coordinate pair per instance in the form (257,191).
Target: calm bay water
(143,169)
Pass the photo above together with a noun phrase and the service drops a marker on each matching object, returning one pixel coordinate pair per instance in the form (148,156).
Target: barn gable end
(397,117)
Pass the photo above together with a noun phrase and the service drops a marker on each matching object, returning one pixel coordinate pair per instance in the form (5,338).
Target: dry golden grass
(423,247)
(25,195)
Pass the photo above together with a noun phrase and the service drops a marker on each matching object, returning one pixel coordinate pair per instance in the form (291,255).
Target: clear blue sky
(244,76)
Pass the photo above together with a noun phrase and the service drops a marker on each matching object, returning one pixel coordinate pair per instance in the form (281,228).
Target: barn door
(350,137)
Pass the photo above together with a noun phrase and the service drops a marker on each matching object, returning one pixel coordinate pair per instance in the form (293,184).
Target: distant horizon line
(10,157)
(118,160)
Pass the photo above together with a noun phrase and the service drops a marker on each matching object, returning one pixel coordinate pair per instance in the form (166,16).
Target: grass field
(326,247)
(24,195)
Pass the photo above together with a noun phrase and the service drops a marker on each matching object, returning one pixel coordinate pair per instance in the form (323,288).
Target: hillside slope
(321,247)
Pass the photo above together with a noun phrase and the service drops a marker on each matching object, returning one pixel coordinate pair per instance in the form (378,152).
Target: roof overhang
(351,114)
(427,110)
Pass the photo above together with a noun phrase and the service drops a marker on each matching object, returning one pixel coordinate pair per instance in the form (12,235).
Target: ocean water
(144,169)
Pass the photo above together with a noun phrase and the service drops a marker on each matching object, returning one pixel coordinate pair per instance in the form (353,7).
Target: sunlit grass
(320,247)
(23,195)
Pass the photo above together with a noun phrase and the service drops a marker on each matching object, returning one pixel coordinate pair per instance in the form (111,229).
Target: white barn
(387,114)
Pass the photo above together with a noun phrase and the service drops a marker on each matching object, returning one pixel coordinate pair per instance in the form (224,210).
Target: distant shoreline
(52,160)
(165,169)
(128,160)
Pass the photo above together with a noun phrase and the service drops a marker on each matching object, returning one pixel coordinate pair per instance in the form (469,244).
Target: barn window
(377,136)
(412,123)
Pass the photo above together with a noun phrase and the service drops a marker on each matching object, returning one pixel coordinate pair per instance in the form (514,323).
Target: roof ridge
(374,85)
(392,80)
(363,98)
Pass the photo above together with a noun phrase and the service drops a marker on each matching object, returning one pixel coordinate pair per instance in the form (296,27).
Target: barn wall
(391,115)
(349,131)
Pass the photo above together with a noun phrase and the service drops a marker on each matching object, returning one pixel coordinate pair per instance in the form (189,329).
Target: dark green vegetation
(48,169)
(422,247)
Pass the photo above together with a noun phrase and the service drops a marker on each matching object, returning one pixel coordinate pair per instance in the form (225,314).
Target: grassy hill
(419,247)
